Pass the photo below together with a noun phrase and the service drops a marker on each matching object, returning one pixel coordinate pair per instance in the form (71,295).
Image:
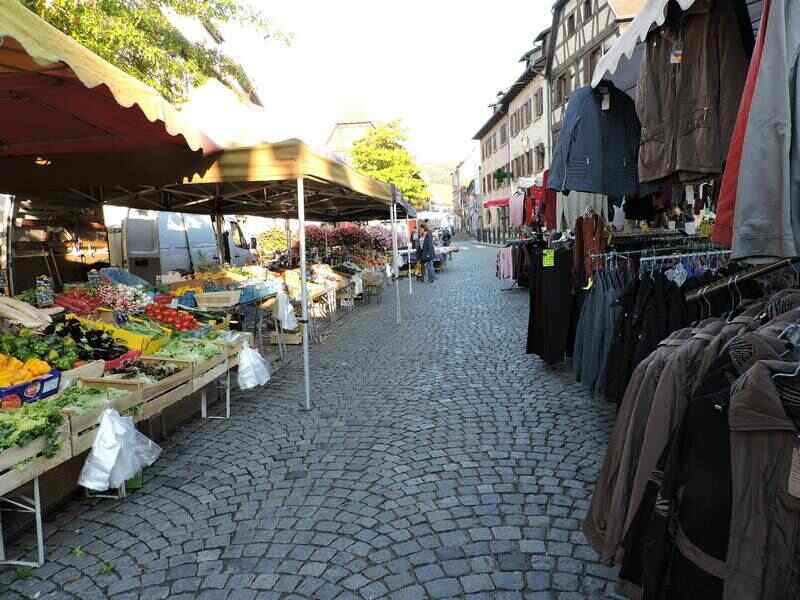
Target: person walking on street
(427,254)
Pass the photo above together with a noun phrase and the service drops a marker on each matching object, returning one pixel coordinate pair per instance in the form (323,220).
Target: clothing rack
(706,254)
(648,250)
(741,277)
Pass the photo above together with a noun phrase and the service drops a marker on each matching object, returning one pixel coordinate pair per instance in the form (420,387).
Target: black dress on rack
(550,304)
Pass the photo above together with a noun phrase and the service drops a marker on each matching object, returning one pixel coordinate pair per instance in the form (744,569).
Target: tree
(381,154)
(138,37)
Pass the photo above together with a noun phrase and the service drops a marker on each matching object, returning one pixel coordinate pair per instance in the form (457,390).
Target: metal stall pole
(301,215)
(408,231)
(288,226)
(394,260)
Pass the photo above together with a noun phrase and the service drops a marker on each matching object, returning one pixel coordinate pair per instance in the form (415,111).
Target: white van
(149,243)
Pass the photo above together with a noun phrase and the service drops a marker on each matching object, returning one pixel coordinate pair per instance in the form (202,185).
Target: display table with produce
(111,346)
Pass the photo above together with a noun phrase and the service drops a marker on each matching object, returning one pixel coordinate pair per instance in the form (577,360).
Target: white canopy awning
(628,49)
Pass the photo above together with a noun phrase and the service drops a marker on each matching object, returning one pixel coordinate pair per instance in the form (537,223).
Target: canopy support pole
(288,226)
(301,215)
(395,268)
(410,277)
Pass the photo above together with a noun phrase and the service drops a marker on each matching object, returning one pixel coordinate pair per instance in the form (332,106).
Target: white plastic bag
(119,452)
(253,368)
(286,312)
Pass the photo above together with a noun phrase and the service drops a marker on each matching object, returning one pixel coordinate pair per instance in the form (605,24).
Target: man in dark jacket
(427,254)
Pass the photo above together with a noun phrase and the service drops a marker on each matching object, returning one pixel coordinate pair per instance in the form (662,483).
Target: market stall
(698,486)
(90,135)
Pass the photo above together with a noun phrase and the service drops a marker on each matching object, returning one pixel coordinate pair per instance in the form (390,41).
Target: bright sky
(437,64)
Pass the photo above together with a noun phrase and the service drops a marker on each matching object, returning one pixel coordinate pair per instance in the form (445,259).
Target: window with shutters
(540,158)
(562,89)
(539,103)
(590,62)
(503,135)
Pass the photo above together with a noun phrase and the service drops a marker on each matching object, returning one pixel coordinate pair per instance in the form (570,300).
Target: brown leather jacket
(688,109)
(764,550)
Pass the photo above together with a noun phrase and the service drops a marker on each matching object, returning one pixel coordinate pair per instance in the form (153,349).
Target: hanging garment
(598,145)
(691,83)
(590,239)
(767,218)
(659,397)
(764,540)
(570,207)
(551,302)
(505,264)
(550,205)
(726,206)
(640,209)
(601,509)
(694,494)
(532,206)
(517,209)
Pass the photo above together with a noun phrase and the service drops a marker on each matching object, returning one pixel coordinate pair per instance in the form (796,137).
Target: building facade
(466,180)
(515,141)
(582,32)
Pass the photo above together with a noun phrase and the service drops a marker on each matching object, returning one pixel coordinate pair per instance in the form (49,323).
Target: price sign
(549,258)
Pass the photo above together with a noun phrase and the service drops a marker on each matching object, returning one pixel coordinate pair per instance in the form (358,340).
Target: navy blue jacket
(598,150)
(427,252)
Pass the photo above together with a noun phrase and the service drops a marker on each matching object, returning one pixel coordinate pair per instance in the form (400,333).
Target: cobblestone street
(440,461)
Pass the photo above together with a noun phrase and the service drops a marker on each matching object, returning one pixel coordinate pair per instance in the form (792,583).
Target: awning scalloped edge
(654,13)
(46,45)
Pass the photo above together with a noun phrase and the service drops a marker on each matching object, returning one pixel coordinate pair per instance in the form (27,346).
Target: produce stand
(126,146)
(13,477)
(83,424)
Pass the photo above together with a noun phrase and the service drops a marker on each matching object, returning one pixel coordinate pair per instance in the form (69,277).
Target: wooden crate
(83,425)
(232,349)
(157,404)
(19,466)
(208,371)
(203,372)
(150,390)
(224,299)
(290,338)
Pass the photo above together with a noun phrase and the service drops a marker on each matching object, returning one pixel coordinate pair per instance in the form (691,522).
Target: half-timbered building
(582,31)
(514,141)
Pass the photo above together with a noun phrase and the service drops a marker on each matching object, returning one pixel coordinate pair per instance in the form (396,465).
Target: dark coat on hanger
(598,145)
(688,109)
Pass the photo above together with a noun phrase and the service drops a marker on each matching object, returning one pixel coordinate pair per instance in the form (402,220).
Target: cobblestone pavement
(440,462)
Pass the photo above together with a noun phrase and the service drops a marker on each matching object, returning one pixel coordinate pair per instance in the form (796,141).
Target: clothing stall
(699,491)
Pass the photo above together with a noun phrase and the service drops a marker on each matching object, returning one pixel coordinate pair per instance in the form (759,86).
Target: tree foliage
(381,154)
(138,37)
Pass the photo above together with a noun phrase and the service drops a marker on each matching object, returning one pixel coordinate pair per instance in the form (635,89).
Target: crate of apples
(178,320)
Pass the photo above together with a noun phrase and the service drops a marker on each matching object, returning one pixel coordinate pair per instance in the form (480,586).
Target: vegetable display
(178,320)
(79,301)
(43,418)
(13,371)
(145,328)
(20,427)
(144,371)
(123,298)
(194,351)
(61,353)
(90,344)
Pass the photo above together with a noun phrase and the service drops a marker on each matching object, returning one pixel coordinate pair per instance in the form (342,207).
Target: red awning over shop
(497,203)
(59,101)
